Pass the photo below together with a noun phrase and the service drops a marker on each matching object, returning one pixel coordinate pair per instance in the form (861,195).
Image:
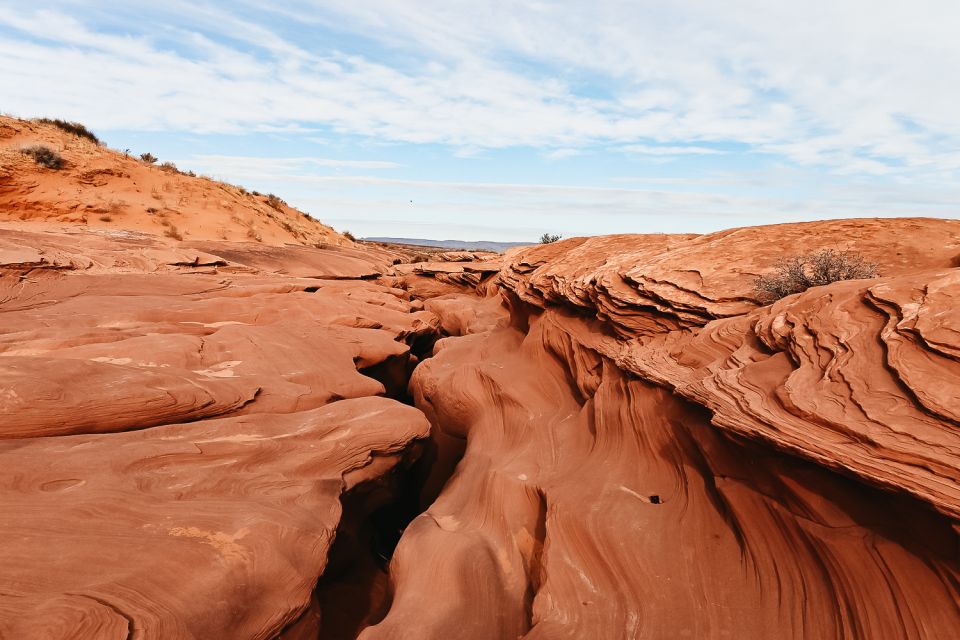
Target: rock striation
(178,427)
(296,437)
(644,451)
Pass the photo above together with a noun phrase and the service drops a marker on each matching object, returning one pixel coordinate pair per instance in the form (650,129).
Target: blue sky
(503,120)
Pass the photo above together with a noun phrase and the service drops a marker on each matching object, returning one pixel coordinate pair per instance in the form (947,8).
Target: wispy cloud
(868,96)
(255,165)
(841,93)
(668,150)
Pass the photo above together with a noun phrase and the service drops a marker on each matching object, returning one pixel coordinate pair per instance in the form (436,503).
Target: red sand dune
(609,438)
(104,189)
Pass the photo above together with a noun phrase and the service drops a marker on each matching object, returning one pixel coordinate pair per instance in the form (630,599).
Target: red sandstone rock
(622,442)
(589,503)
(216,529)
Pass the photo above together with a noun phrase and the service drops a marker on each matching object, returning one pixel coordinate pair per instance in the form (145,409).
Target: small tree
(547,238)
(799,273)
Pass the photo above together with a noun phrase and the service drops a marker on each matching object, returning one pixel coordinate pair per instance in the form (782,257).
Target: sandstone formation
(648,453)
(305,437)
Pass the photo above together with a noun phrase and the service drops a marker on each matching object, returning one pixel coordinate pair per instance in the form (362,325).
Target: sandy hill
(106,189)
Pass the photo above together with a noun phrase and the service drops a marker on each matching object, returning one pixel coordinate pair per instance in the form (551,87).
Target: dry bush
(275,202)
(148,157)
(549,238)
(172,232)
(169,167)
(799,273)
(349,236)
(74,128)
(43,156)
(106,218)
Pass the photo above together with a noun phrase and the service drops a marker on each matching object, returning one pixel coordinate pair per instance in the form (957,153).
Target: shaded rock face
(648,453)
(592,504)
(611,438)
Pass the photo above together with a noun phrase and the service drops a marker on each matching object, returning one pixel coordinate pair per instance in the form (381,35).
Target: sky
(494,120)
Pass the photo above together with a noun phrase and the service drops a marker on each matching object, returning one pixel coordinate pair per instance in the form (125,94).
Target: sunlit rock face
(178,426)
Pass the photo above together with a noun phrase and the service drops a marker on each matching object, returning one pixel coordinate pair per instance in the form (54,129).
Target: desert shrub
(169,167)
(148,157)
(152,210)
(106,218)
(275,202)
(44,156)
(547,238)
(172,232)
(799,273)
(74,128)
(349,236)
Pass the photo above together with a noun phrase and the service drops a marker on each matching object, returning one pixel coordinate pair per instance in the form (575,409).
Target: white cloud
(256,165)
(560,154)
(667,150)
(854,86)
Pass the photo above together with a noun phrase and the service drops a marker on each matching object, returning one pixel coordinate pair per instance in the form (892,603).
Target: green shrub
(548,238)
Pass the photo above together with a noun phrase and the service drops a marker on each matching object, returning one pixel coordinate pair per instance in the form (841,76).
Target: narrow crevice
(535,568)
(354,591)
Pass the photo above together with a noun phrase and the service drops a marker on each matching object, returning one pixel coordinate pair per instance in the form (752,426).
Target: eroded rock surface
(612,438)
(178,427)
(649,453)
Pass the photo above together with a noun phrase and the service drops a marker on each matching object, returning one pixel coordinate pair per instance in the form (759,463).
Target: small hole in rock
(654,499)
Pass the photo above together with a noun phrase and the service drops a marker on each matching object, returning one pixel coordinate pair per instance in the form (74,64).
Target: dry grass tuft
(799,273)
(74,128)
(43,156)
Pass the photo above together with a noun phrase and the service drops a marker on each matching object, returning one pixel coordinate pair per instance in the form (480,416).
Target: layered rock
(648,452)
(178,427)
(613,439)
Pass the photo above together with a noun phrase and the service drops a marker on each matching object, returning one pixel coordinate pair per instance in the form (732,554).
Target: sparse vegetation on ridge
(44,156)
(349,236)
(548,238)
(74,128)
(148,157)
(799,273)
